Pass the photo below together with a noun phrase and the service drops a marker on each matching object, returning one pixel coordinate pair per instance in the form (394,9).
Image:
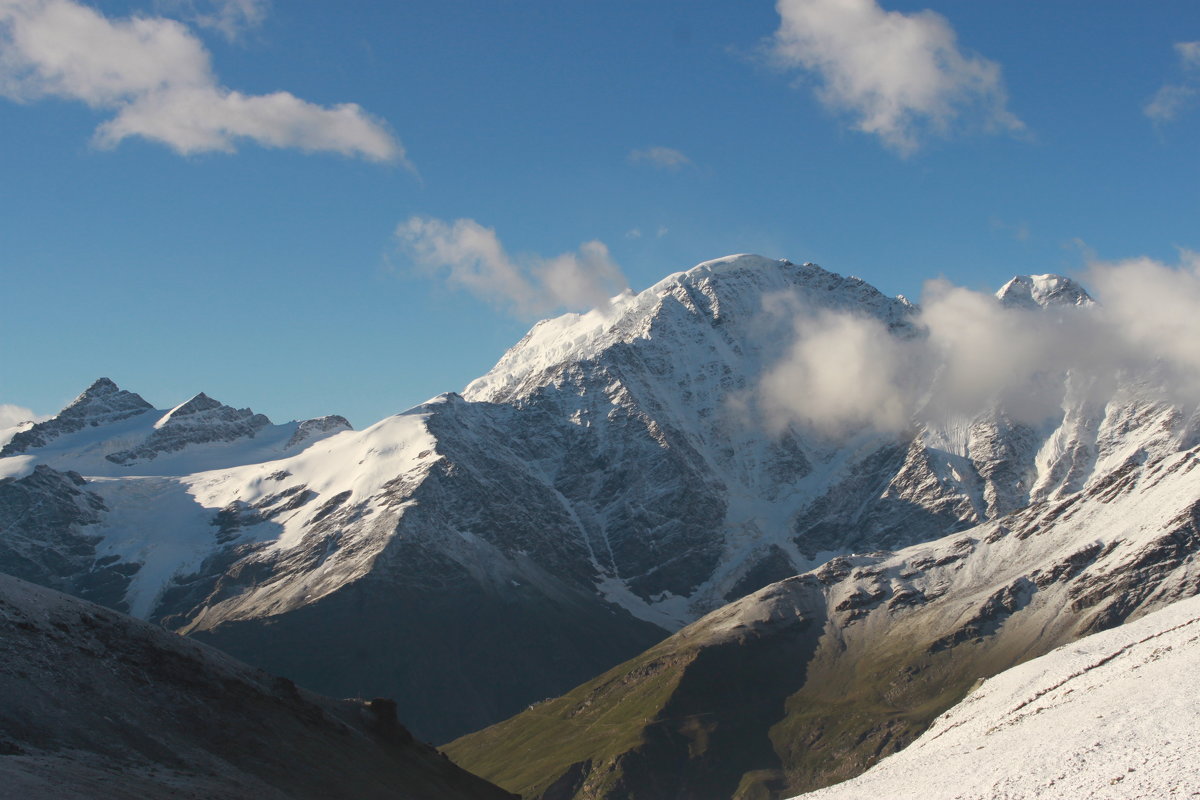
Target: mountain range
(590,507)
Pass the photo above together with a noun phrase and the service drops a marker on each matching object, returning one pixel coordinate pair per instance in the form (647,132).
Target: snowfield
(1113,715)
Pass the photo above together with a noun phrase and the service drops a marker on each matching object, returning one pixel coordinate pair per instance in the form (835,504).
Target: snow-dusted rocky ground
(1113,715)
(602,486)
(98,706)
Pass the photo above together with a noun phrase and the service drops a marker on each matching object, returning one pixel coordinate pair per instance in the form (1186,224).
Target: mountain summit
(1043,291)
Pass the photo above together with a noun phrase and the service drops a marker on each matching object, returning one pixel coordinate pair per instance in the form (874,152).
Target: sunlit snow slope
(1113,715)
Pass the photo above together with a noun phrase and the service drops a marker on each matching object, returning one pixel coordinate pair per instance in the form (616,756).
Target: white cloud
(1169,101)
(231,18)
(661,157)
(11,415)
(472,258)
(1189,54)
(843,372)
(1173,99)
(1153,309)
(899,76)
(157,78)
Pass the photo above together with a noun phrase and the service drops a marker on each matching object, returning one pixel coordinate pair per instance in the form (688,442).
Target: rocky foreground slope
(98,706)
(608,482)
(811,680)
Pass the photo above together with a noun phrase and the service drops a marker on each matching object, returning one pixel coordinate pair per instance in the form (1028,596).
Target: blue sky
(170,222)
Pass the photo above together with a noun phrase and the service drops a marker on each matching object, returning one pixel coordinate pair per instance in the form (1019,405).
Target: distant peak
(102,397)
(101,403)
(198,403)
(102,387)
(1042,291)
(739,261)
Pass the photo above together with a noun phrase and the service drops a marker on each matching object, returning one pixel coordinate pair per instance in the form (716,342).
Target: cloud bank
(898,76)
(157,79)
(471,257)
(843,372)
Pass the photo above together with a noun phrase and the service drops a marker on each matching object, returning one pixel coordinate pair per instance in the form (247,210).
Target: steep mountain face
(1110,716)
(101,706)
(811,680)
(606,483)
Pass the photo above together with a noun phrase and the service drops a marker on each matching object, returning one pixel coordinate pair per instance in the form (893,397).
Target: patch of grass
(598,722)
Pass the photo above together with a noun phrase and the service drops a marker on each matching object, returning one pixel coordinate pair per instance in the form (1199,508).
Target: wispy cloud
(157,79)
(471,257)
(1189,53)
(1017,230)
(898,76)
(231,18)
(842,372)
(1174,98)
(660,157)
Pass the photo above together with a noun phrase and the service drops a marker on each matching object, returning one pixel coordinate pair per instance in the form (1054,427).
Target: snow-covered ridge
(110,432)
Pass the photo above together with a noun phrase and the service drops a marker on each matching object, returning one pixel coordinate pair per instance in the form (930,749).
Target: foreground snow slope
(1113,715)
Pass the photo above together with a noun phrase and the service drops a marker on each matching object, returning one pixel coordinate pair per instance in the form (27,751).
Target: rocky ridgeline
(200,420)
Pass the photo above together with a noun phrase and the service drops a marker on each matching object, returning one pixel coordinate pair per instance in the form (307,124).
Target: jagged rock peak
(101,403)
(203,409)
(1043,291)
(309,428)
(104,397)
(100,388)
(200,402)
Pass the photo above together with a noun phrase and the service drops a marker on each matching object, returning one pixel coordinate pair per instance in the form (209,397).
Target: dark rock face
(102,404)
(44,538)
(101,706)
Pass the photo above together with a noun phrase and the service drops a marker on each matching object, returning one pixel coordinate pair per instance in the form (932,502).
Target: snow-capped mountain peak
(727,296)
(1043,291)
(102,403)
(197,404)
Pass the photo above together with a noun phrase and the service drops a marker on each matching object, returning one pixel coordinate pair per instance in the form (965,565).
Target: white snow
(156,522)
(1113,715)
